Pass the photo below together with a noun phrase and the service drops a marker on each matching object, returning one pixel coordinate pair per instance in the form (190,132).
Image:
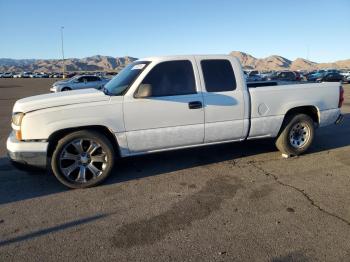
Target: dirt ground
(229,202)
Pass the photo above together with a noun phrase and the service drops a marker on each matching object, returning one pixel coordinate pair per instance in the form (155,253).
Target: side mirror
(144,90)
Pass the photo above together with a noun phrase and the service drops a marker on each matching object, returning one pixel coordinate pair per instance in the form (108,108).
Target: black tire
(66,89)
(67,146)
(288,139)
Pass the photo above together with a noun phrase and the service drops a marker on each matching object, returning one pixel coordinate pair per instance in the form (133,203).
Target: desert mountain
(280,63)
(93,63)
(109,63)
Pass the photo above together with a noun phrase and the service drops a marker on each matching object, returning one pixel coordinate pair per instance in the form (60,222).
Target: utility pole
(63,63)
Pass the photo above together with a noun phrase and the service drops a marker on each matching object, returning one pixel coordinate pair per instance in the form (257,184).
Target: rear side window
(82,79)
(171,78)
(218,75)
(93,78)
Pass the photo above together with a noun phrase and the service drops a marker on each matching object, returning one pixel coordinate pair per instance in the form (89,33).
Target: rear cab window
(218,75)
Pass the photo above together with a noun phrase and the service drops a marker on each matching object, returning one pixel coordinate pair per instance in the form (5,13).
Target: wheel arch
(310,110)
(59,134)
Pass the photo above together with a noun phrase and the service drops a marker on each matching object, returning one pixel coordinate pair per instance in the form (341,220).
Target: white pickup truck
(164,103)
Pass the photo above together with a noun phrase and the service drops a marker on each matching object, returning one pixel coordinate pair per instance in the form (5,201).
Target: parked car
(70,75)
(37,75)
(330,77)
(79,82)
(313,77)
(7,75)
(254,78)
(44,75)
(23,75)
(332,71)
(56,75)
(164,103)
(266,75)
(345,74)
(298,76)
(283,76)
(17,75)
(26,74)
(253,73)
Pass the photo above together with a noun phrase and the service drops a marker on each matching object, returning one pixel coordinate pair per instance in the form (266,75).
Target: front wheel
(297,135)
(82,159)
(64,89)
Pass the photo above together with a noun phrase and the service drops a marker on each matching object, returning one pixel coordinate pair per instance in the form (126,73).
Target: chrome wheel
(82,160)
(299,135)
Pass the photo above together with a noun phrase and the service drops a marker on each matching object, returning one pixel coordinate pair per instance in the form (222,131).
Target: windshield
(122,81)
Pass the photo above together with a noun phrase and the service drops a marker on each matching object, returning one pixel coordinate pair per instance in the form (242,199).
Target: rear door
(93,82)
(170,114)
(224,100)
(81,83)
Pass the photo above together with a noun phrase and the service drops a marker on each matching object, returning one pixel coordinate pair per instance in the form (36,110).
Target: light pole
(63,64)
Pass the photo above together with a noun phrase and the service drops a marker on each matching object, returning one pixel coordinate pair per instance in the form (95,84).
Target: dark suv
(284,76)
(330,77)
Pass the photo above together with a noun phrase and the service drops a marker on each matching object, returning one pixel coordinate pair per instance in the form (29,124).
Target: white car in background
(23,75)
(6,75)
(347,78)
(17,75)
(346,74)
(79,82)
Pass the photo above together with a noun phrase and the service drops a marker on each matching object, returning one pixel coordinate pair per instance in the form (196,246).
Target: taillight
(341,96)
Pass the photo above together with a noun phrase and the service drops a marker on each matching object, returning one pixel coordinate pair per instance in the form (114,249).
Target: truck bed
(269,104)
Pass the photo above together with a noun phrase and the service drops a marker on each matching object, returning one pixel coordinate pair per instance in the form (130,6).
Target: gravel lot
(229,202)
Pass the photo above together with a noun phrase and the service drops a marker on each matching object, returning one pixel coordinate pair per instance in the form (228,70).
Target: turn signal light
(18,135)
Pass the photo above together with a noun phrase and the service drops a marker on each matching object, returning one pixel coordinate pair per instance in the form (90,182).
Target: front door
(166,110)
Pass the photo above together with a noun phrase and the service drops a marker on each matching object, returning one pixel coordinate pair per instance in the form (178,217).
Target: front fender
(40,124)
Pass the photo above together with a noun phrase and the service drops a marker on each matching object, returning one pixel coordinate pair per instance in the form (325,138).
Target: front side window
(218,75)
(122,81)
(171,78)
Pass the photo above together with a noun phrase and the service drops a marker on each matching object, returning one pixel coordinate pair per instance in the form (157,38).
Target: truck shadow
(19,185)
(16,185)
(166,162)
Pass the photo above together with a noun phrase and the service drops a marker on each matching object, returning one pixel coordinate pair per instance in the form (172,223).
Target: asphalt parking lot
(229,202)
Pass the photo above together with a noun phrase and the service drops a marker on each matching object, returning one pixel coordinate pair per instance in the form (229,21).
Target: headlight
(16,124)
(17,118)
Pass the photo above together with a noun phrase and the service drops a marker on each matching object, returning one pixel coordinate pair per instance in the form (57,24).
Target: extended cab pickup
(164,103)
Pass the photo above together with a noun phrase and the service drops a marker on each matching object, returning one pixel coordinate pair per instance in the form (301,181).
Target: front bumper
(29,153)
(53,89)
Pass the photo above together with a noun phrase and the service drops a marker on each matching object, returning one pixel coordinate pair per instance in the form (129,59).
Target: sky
(315,29)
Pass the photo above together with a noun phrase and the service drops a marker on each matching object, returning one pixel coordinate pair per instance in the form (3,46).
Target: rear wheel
(82,159)
(297,135)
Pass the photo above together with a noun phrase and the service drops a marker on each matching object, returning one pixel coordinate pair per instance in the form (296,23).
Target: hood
(33,103)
